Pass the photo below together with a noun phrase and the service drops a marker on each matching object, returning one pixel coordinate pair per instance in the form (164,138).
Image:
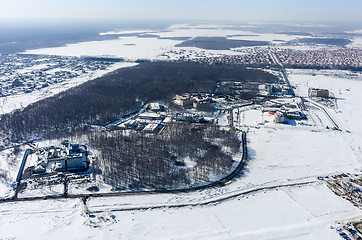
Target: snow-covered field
(347,88)
(305,212)
(130,48)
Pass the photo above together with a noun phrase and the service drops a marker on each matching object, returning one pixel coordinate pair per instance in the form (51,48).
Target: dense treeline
(121,92)
(182,155)
(220,43)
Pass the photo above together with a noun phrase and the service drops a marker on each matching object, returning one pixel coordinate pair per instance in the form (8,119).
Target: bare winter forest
(182,155)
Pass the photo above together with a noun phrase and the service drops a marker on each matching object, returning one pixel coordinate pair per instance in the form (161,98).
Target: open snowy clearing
(305,212)
(130,48)
(347,88)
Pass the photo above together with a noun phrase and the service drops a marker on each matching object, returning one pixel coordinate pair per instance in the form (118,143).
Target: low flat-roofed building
(293,115)
(152,127)
(156,107)
(149,115)
(130,123)
(203,105)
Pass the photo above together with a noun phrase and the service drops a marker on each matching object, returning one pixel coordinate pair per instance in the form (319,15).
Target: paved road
(283,72)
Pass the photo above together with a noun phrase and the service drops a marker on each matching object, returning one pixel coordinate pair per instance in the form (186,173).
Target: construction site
(349,187)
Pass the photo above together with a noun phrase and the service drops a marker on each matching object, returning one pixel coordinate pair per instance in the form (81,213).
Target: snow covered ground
(347,88)
(9,166)
(130,48)
(305,212)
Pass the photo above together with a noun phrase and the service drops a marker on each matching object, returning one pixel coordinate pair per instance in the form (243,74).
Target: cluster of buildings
(68,158)
(274,90)
(201,102)
(323,58)
(283,111)
(54,166)
(344,57)
(154,116)
(248,56)
(27,73)
(323,96)
(151,119)
(257,56)
(184,54)
(282,116)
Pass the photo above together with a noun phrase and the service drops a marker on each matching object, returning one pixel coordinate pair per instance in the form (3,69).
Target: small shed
(279,117)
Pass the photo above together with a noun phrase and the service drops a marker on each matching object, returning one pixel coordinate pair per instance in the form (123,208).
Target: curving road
(336,126)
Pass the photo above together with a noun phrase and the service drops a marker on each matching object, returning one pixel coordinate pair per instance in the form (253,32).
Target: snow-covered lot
(347,88)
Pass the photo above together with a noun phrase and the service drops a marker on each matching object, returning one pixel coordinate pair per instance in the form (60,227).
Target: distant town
(343,58)
(23,73)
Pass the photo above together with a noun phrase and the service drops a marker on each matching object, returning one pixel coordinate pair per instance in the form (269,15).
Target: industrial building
(75,158)
(294,115)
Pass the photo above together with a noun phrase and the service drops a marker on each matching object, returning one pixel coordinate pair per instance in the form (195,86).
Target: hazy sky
(234,10)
